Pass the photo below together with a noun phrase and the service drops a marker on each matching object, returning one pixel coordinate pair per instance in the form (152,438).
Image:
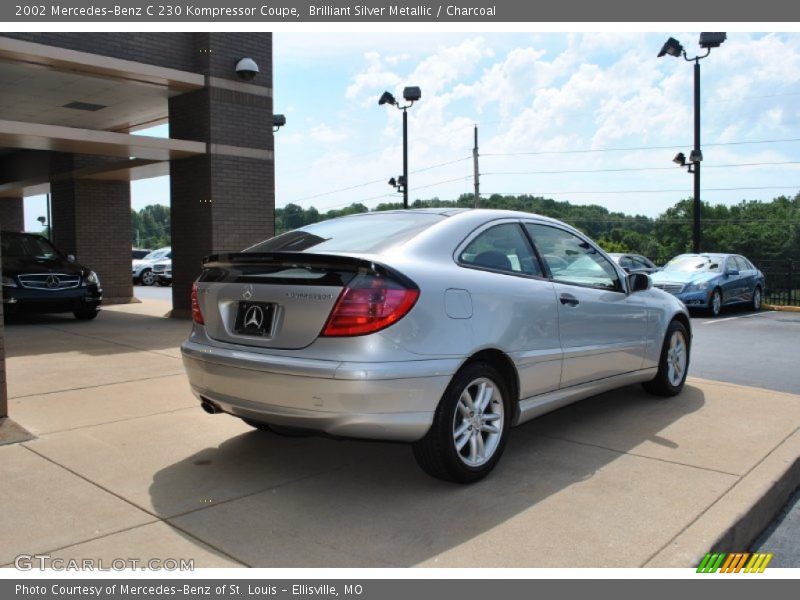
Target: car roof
(707,255)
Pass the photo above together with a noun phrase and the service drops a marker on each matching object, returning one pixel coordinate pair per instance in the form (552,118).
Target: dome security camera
(247,69)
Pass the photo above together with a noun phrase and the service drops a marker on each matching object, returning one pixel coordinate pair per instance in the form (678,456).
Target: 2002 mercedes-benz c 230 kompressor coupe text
(439,327)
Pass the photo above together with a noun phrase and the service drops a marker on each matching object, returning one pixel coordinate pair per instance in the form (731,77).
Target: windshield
(367,233)
(28,246)
(157,254)
(694,264)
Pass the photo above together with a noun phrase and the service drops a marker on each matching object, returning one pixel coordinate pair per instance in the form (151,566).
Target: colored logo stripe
(735,562)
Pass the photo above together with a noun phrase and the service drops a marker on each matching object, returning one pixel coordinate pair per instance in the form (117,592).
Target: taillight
(369,304)
(197,315)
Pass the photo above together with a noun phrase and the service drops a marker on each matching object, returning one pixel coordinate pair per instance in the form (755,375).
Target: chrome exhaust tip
(209,407)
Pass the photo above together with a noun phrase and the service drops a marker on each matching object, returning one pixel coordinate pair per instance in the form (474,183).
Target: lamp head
(712,39)
(393,182)
(387,98)
(695,156)
(680,159)
(278,120)
(672,47)
(412,94)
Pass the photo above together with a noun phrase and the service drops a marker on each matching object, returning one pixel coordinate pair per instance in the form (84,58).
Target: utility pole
(476,173)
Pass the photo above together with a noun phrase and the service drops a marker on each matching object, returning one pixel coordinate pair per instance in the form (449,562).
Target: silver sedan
(439,327)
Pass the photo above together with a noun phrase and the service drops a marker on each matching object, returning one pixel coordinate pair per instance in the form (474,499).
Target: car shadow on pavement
(111,332)
(317,502)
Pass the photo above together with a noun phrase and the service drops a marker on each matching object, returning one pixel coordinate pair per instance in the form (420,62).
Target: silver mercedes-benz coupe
(439,327)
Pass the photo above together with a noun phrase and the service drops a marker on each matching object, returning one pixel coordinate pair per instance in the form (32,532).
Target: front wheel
(673,365)
(757,299)
(147,277)
(470,427)
(715,303)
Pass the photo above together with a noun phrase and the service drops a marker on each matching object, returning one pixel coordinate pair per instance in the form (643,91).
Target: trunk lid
(293,292)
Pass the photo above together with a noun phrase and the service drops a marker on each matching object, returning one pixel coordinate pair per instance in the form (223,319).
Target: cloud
(555,94)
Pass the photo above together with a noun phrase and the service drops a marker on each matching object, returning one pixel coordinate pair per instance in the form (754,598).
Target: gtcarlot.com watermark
(41,562)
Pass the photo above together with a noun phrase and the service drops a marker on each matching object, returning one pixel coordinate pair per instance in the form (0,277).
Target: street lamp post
(674,48)
(410,95)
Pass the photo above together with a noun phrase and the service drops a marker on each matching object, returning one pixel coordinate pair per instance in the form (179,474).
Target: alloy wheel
(676,358)
(478,422)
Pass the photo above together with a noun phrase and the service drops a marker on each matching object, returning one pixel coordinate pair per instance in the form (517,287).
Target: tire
(86,314)
(673,364)
(257,424)
(715,303)
(758,297)
(147,277)
(454,424)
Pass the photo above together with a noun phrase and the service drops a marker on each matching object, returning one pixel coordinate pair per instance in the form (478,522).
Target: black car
(37,277)
(634,263)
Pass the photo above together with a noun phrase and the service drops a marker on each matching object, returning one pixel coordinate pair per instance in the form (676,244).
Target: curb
(782,308)
(739,516)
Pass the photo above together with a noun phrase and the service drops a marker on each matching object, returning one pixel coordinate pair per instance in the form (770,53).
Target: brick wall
(3,387)
(92,220)
(12,216)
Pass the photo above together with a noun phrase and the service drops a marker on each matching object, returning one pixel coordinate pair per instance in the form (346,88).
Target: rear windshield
(27,246)
(370,234)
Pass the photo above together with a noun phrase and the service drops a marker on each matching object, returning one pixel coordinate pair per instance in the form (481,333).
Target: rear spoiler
(329,262)
(297,259)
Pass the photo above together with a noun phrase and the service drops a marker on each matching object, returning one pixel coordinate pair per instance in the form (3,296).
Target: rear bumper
(387,401)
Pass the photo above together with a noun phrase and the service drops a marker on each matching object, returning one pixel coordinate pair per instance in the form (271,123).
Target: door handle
(568,299)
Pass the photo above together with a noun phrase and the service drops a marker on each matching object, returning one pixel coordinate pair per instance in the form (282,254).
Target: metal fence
(783,280)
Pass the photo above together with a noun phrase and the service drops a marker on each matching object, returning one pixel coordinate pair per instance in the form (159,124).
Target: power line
(632,148)
(373,182)
(731,189)
(628,169)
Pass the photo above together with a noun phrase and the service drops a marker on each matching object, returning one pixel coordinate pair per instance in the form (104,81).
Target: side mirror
(732,272)
(639,282)
(70,257)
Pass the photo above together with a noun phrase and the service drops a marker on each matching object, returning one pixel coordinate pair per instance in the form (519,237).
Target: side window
(503,248)
(626,262)
(572,260)
(639,262)
(741,264)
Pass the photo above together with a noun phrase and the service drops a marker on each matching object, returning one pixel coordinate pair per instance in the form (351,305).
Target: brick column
(3,387)
(225,200)
(11,219)
(12,216)
(92,220)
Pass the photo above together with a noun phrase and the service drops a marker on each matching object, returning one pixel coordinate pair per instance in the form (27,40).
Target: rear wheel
(470,427)
(715,303)
(673,364)
(757,299)
(147,277)
(86,314)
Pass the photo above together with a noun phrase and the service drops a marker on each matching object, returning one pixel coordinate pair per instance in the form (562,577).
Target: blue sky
(552,110)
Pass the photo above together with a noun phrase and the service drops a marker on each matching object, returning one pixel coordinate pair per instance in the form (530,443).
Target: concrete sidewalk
(126,465)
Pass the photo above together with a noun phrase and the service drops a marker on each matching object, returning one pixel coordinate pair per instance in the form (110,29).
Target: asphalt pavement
(747,348)
(153,292)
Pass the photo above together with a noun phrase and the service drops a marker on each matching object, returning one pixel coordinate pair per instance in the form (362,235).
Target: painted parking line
(712,321)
